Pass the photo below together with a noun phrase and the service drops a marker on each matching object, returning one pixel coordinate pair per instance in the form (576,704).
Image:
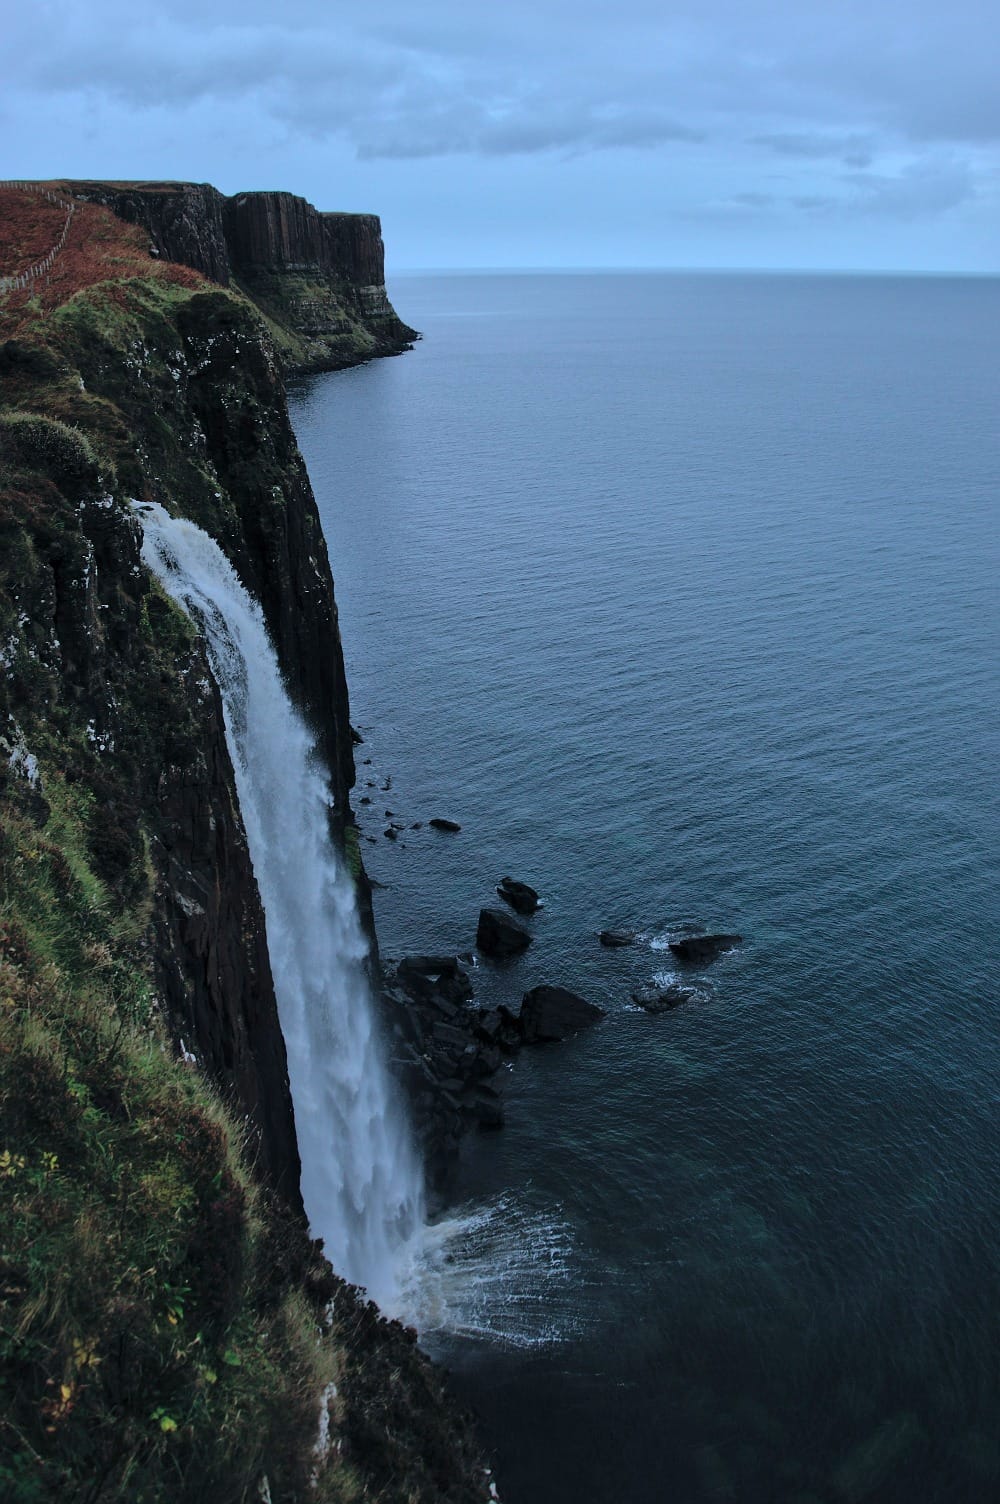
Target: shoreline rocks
(615,939)
(440,823)
(499,936)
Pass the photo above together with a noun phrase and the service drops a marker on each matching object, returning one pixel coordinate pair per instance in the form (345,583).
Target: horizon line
(707,271)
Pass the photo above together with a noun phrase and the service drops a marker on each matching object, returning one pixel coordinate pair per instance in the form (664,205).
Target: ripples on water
(680,594)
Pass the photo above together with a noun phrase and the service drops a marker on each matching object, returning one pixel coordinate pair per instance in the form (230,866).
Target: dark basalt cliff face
(128,904)
(319,277)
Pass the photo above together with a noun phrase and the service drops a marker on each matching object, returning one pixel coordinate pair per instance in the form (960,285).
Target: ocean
(679,592)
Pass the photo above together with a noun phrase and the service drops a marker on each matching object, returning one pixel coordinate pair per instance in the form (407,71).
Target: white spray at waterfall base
(494,1272)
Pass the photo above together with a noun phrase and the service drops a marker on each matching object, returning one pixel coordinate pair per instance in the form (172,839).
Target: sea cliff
(318,278)
(169,1331)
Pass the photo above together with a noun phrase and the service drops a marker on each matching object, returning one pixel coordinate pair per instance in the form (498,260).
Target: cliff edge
(168,1329)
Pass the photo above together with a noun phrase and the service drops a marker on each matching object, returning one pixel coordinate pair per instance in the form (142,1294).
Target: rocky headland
(169,1330)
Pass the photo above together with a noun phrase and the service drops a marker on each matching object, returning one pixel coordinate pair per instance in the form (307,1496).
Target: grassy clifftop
(168,1332)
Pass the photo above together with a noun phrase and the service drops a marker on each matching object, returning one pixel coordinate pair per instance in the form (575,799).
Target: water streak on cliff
(361,1181)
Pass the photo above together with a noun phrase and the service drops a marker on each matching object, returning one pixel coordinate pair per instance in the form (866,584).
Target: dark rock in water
(441,824)
(385,785)
(389,814)
(435,978)
(499,935)
(428,966)
(699,950)
(365,799)
(661,999)
(615,938)
(391,832)
(417,825)
(356,738)
(366,762)
(553,1013)
(518,895)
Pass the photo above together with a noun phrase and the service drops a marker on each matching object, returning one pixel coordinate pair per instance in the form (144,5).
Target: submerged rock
(614,938)
(439,823)
(699,950)
(554,1013)
(499,935)
(656,999)
(520,896)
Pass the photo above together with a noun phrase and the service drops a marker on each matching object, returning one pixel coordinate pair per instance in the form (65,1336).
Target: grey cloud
(703,84)
(752,200)
(527,127)
(396,76)
(919,189)
(854,150)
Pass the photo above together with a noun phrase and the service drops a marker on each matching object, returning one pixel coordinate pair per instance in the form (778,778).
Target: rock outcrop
(700,950)
(549,1014)
(522,898)
(319,277)
(499,936)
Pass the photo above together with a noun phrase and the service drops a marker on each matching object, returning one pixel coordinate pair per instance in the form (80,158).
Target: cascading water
(499,1273)
(361,1180)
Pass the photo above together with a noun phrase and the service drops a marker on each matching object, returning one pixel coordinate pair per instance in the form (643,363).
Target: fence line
(11,284)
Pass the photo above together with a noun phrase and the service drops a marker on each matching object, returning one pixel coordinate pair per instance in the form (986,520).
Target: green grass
(155,1340)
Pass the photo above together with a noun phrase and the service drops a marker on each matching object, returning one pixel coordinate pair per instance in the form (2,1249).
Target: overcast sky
(715,133)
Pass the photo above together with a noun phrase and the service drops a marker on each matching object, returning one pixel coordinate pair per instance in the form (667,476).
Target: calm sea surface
(680,593)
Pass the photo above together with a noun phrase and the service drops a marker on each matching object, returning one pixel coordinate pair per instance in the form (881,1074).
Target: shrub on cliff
(33,442)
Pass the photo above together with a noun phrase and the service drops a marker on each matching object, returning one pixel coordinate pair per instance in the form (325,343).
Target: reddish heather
(29,227)
(99,248)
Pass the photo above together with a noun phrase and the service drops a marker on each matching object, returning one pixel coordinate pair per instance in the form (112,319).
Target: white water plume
(496,1272)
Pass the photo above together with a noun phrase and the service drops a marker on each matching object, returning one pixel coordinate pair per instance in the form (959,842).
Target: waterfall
(499,1273)
(361,1179)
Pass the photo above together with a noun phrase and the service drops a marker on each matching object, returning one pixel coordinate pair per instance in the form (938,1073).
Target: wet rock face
(210,950)
(236,402)
(444,1061)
